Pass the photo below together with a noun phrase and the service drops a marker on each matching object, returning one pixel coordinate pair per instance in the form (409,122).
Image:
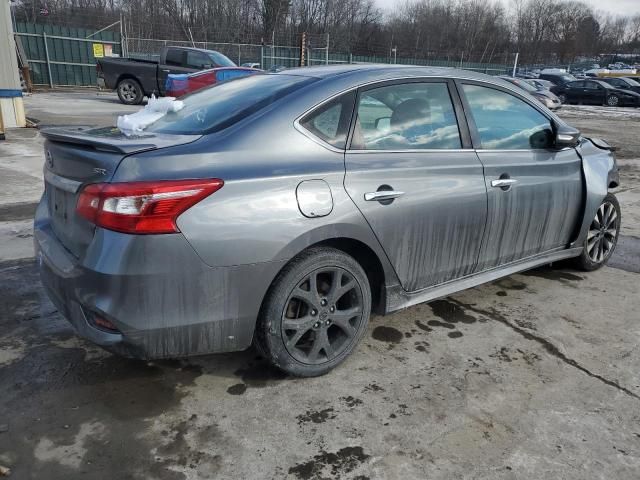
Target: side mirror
(566,136)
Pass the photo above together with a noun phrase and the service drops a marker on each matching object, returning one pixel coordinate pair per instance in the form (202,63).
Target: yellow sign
(98,50)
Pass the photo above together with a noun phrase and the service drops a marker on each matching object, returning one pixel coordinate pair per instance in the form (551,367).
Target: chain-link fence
(67,56)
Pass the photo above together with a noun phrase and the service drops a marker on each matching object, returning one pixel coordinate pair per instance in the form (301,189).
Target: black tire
(613,101)
(336,315)
(602,237)
(129,91)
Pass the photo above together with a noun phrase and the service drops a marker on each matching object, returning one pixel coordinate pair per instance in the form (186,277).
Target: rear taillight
(142,207)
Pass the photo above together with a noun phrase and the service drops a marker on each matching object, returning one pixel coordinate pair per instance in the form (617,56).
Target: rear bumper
(163,299)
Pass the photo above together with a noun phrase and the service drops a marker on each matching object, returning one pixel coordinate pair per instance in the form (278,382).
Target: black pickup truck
(133,78)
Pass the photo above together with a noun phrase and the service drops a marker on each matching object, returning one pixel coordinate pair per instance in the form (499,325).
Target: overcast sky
(624,7)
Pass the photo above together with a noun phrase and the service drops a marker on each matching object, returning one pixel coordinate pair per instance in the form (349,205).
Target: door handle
(382,195)
(503,183)
(166,71)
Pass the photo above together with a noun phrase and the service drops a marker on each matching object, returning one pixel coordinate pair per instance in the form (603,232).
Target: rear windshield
(222,105)
(219,59)
(525,86)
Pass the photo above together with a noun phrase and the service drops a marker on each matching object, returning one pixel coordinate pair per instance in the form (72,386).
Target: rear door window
(175,57)
(220,106)
(330,122)
(505,122)
(410,116)
(198,60)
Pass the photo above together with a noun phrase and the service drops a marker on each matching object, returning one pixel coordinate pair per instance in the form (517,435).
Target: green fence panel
(71,59)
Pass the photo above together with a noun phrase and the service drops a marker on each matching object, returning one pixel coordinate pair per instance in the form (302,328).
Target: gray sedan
(283,209)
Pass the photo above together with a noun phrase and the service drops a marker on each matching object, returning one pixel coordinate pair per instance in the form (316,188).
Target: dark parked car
(134,78)
(557,78)
(546,97)
(595,92)
(623,83)
(281,209)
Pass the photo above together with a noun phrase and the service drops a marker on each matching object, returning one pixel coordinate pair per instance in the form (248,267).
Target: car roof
(365,73)
(193,49)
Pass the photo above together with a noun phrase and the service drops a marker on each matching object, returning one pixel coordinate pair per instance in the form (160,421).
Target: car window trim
(463,128)
(475,134)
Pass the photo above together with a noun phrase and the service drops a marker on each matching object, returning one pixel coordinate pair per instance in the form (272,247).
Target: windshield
(632,82)
(222,105)
(568,78)
(219,59)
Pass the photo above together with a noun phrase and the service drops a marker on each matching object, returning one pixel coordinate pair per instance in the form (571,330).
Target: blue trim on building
(10,93)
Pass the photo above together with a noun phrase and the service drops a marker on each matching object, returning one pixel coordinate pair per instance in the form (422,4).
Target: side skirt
(397,298)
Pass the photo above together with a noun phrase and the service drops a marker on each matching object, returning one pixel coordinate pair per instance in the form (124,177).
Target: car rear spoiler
(112,139)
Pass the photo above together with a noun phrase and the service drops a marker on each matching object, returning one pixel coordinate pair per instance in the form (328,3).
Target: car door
(594,93)
(535,192)
(411,171)
(574,91)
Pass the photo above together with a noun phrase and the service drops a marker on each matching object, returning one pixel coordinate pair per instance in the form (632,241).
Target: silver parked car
(282,209)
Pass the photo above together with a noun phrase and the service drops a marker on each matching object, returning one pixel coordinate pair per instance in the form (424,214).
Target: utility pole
(11,106)
(303,50)
(515,64)
(326,56)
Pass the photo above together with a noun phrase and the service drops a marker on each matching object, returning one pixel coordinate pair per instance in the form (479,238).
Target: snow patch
(154,110)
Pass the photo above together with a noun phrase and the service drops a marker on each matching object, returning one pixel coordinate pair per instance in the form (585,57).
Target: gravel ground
(533,376)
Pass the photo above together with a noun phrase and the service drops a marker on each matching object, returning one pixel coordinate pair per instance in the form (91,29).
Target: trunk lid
(76,156)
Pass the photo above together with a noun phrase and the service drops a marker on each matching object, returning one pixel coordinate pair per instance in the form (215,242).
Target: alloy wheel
(602,233)
(128,91)
(563,98)
(612,101)
(322,315)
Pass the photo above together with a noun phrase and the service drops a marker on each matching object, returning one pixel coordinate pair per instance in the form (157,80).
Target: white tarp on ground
(155,109)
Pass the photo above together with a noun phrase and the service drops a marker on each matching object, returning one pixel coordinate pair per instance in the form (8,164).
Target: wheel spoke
(592,243)
(600,250)
(293,341)
(608,244)
(343,289)
(320,342)
(605,214)
(309,296)
(341,319)
(298,323)
(613,217)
